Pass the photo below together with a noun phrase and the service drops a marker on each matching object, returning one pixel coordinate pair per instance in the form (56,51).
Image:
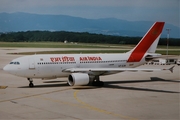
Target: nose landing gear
(30,82)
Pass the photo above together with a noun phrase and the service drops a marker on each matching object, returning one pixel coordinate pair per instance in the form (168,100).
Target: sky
(131,10)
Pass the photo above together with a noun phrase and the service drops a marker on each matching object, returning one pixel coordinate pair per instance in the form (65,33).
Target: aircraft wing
(113,69)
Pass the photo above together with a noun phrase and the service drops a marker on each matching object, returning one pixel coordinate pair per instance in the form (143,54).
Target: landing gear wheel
(98,83)
(101,83)
(31,84)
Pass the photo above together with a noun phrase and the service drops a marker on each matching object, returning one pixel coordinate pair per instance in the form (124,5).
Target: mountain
(28,22)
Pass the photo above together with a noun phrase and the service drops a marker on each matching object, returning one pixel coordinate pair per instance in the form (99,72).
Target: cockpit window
(15,63)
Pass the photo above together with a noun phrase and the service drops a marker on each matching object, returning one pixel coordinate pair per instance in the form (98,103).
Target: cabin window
(15,63)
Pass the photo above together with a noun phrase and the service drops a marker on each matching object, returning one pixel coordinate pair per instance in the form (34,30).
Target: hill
(110,26)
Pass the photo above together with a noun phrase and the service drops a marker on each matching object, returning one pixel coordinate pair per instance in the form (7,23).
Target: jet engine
(78,79)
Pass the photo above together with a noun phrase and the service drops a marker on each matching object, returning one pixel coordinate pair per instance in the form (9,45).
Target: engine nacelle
(78,79)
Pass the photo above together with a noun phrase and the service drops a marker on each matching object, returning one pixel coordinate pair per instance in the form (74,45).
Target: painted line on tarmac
(86,106)
(34,95)
(3,87)
(101,110)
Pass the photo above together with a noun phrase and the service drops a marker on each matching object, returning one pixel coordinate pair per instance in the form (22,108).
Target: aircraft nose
(6,68)
(13,69)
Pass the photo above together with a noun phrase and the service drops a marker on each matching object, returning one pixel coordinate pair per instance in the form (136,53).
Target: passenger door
(31,64)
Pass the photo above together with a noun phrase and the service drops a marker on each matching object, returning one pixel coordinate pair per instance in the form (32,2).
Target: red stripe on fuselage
(146,42)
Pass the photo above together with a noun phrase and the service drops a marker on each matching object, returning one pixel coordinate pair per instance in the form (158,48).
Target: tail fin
(148,43)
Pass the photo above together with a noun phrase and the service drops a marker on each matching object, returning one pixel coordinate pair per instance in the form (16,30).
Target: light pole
(168,32)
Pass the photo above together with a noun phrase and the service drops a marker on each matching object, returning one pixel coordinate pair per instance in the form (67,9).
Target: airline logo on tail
(150,40)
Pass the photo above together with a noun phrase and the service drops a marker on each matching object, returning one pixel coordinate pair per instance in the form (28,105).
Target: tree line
(84,37)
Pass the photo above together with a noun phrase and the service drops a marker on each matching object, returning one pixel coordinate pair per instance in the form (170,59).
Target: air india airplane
(86,69)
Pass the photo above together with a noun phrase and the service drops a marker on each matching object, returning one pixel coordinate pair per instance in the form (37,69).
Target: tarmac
(125,96)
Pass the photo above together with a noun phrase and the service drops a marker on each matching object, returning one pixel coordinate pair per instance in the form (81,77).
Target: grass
(170,52)
(115,47)
(70,45)
(163,52)
(170,47)
(47,45)
(72,52)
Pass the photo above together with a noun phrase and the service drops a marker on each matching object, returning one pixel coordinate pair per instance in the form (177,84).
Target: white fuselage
(52,65)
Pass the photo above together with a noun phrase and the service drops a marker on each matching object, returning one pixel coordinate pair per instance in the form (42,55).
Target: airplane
(86,69)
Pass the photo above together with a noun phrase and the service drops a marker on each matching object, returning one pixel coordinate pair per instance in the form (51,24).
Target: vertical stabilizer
(148,43)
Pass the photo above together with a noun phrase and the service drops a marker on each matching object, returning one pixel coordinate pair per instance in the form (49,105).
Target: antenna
(168,32)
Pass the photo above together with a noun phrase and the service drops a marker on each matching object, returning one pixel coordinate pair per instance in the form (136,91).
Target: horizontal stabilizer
(170,69)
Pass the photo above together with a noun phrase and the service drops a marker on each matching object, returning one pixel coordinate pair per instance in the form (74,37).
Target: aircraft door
(77,62)
(31,64)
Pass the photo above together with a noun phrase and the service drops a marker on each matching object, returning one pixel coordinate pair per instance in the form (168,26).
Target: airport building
(163,61)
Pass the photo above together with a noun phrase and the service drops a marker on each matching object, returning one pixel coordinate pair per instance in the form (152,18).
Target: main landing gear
(97,82)
(30,82)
